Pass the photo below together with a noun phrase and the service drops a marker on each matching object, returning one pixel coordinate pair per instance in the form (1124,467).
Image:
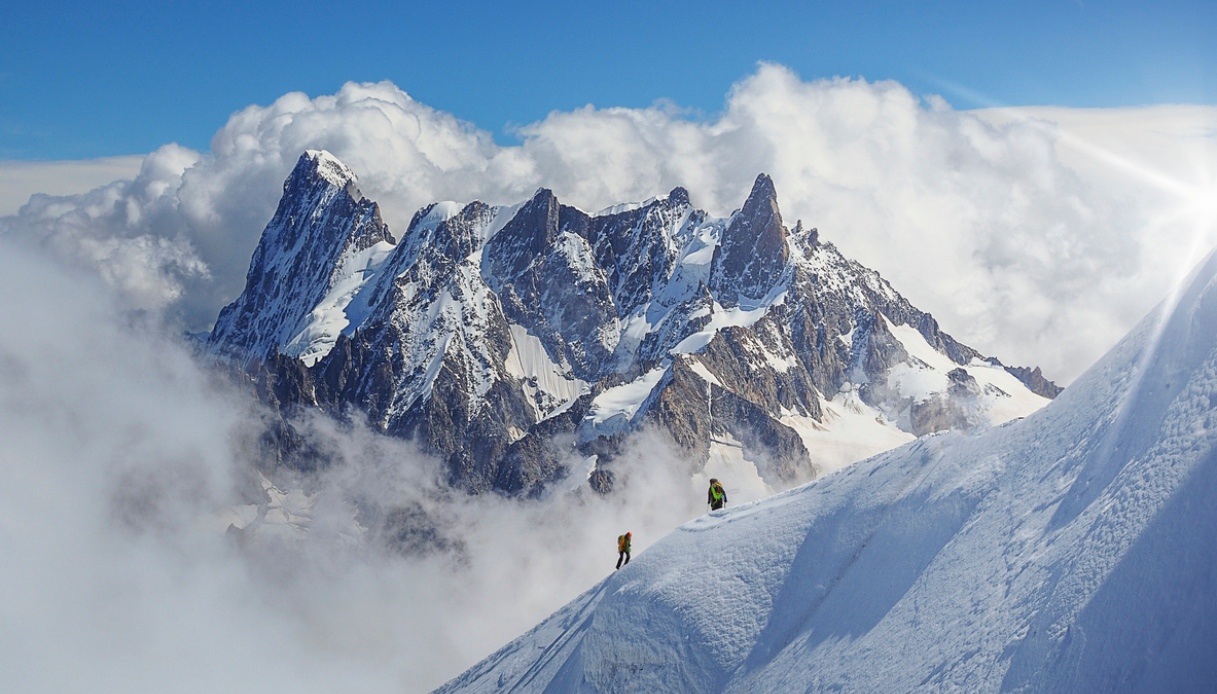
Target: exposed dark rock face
(636,251)
(515,341)
(544,271)
(1035,381)
(753,250)
(777,450)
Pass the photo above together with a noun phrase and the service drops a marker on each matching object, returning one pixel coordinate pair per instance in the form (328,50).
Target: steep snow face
(552,388)
(614,409)
(996,395)
(850,429)
(330,317)
(1069,551)
(720,318)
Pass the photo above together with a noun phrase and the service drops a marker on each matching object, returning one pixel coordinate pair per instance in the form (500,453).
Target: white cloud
(120,455)
(21,179)
(1020,242)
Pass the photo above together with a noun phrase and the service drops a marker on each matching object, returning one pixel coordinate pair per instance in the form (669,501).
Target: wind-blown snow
(1070,551)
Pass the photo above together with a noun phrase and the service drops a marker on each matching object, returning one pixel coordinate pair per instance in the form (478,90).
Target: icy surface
(551,387)
(1069,551)
(1004,395)
(622,402)
(331,316)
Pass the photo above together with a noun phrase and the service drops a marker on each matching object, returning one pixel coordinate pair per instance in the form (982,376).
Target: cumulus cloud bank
(19,180)
(122,465)
(1015,231)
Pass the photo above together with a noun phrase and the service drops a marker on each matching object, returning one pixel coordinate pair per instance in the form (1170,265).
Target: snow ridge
(1064,552)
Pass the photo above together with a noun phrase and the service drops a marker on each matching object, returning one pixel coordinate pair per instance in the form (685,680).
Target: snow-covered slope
(1071,551)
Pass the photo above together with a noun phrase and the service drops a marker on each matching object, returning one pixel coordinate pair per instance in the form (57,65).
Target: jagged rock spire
(753,251)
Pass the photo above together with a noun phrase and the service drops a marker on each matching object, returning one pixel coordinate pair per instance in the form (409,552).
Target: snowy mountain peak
(327,167)
(763,191)
(678,196)
(435,214)
(542,196)
(321,245)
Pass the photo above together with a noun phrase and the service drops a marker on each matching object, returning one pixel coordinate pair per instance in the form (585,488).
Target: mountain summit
(322,240)
(753,251)
(520,342)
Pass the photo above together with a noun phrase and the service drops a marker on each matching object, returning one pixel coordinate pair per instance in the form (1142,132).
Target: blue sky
(82,80)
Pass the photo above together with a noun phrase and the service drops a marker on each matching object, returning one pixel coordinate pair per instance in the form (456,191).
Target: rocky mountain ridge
(519,342)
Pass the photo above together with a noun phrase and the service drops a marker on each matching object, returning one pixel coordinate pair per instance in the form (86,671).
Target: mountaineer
(716,497)
(623,549)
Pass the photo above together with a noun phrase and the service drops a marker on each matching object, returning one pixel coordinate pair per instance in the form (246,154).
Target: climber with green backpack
(717,498)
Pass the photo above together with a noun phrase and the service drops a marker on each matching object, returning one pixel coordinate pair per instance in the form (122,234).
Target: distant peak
(678,196)
(752,252)
(543,194)
(763,188)
(325,166)
(762,201)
